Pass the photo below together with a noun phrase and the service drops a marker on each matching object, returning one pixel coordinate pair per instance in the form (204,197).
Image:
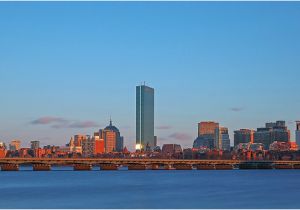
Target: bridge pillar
(108,167)
(136,167)
(10,167)
(223,167)
(82,167)
(41,167)
(155,167)
(183,166)
(296,166)
(206,167)
(168,167)
(283,166)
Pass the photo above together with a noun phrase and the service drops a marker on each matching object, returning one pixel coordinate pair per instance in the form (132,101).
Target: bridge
(12,164)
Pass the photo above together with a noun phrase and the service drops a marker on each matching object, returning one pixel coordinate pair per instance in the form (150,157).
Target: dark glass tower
(144,118)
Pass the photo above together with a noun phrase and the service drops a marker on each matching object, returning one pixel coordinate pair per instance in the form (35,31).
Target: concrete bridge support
(136,167)
(183,166)
(10,167)
(283,166)
(223,167)
(108,167)
(82,167)
(206,167)
(41,167)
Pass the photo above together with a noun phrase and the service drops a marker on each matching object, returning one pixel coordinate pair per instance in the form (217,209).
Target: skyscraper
(298,133)
(35,144)
(113,141)
(273,131)
(144,118)
(209,135)
(243,136)
(14,145)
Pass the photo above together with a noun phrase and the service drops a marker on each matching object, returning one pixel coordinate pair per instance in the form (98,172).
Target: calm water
(150,189)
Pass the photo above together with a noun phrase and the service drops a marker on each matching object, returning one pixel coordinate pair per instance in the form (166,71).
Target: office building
(205,128)
(298,133)
(88,146)
(273,131)
(78,140)
(169,150)
(144,118)
(225,140)
(35,144)
(14,145)
(243,136)
(113,141)
(99,144)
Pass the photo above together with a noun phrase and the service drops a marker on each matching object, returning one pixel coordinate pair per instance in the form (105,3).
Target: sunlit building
(298,133)
(99,144)
(78,140)
(144,118)
(205,128)
(113,141)
(14,145)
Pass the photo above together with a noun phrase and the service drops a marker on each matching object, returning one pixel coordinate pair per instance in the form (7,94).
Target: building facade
(144,117)
(34,144)
(88,147)
(113,141)
(243,136)
(14,145)
(273,131)
(297,134)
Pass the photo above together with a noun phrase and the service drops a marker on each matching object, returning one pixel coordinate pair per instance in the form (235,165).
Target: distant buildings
(243,136)
(225,139)
(88,147)
(273,131)
(113,141)
(171,150)
(145,118)
(207,128)
(298,133)
(35,144)
(212,136)
(14,145)
(99,144)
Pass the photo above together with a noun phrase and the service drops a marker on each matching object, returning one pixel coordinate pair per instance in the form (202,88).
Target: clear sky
(65,67)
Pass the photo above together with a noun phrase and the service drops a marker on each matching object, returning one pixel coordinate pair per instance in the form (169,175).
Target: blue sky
(75,64)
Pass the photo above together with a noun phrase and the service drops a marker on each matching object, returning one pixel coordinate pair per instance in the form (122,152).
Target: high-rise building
(212,136)
(14,145)
(243,136)
(144,117)
(298,133)
(113,141)
(207,128)
(273,131)
(78,139)
(88,146)
(99,144)
(225,140)
(35,144)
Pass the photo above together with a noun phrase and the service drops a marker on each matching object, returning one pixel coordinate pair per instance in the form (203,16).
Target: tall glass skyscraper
(144,118)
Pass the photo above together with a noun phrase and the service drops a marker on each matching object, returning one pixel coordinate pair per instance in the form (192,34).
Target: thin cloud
(180,136)
(163,127)
(48,120)
(236,109)
(58,122)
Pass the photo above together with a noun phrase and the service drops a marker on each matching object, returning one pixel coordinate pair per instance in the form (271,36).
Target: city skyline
(58,80)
